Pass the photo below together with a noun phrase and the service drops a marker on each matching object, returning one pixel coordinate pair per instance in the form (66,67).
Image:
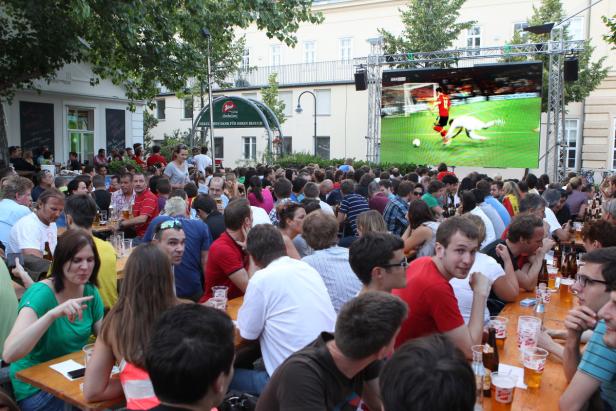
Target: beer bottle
(479,371)
(543,277)
(572,269)
(48,255)
(490,360)
(564,269)
(558,256)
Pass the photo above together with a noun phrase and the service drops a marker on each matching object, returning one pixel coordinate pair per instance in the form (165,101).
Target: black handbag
(235,401)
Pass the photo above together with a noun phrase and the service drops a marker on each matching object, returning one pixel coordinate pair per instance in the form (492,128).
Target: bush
(116,166)
(300,160)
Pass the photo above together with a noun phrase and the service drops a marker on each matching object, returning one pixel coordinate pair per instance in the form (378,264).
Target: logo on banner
(228,106)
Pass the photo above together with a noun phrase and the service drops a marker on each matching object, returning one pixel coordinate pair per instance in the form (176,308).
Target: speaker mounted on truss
(361,78)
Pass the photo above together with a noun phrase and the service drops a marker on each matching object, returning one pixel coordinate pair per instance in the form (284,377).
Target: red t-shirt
(146,203)
(225,257)
(433,307)
(156,158)
(443,105)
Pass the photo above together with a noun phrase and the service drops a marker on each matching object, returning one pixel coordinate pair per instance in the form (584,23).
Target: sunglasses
(165,225)
(418,193)
(404,263)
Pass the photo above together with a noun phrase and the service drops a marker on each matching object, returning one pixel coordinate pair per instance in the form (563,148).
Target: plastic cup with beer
(552,274)
(534,363)
(566,295)
(220,291)
(500,325)
(528,332)
(502,391)
(88,350)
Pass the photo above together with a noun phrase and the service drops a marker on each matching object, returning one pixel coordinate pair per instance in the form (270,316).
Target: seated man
(428,373)
(596,368)
(286,306)
(433,307)
(334,369)
(396,210)
(378,261)
(351,206)
(598,234)
(320,230)
(434,196)
(205,208)
(14,205)
(144,209)
(191,343)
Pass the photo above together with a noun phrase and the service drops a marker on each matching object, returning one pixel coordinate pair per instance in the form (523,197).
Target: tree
(611,25)
(269,95)
(149,122)
(590,74)
(429,25)
(139,45)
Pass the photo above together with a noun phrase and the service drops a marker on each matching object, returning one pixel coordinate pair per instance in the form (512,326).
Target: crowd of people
(361,287)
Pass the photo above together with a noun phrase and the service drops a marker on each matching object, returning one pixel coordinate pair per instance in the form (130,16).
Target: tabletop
(553,381)
(97,228)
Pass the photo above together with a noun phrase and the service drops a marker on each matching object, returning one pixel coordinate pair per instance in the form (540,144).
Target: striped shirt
(353,205)
(333,266)
(599,362)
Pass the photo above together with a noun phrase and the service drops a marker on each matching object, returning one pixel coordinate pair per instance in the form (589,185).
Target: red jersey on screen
(433,307)
(146,203)
(444,103)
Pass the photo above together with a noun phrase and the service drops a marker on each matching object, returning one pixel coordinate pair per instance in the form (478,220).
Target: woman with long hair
(177,170)
(511,198)
(420,235)
(56,316)
(290,220)
(257,196)
(147,291)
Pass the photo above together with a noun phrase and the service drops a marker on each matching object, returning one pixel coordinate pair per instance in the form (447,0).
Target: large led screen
(485,116)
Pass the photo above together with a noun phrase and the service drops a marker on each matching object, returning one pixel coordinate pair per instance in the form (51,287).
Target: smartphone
(78,373)
(10,259)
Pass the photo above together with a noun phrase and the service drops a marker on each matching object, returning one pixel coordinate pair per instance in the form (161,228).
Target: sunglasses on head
(165,225)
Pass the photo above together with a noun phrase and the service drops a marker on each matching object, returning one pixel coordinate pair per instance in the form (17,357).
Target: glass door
(80,124)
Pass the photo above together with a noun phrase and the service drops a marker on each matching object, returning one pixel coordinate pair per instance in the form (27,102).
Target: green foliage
(149,122)
(611,25)
(300,160)
(118,166)
(269,96)
(171,140)
(429,25)
(591,73)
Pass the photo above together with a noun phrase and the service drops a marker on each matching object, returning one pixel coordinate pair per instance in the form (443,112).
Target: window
(188,107)
(160,109)
(519,28)
(219,147)
(323,147)
(250,148)
(287,99)
(80,129)
(575,28)
(275,58)
(571,136)
(287,145)
(473,38)
(309,52)
(345,49)
(245,60)
(323,102)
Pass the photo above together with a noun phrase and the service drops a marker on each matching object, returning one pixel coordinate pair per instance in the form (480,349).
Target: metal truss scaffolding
(556,49)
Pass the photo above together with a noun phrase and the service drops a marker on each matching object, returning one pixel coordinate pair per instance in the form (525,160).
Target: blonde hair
(510,187)
(175,206)
(371,222)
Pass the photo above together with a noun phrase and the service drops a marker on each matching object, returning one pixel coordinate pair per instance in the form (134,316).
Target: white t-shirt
(487,266)
(551,219)
(201,161)
(490,233)
(259,216)
(326,207)
(30,232)
(286,306)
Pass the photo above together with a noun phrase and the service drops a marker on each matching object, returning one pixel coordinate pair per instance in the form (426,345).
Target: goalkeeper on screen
(469,125)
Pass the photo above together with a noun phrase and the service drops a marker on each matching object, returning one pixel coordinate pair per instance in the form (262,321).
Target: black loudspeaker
(572,67)
(361,80)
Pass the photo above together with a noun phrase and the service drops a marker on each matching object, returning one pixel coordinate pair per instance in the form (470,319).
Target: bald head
(326,186)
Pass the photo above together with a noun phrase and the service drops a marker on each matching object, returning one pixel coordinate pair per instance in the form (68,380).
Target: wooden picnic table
(97,228)
(48,380)
(553,381)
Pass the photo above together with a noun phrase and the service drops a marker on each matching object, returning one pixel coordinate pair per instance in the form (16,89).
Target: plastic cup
(88,350)
(220,291)
(500,325)
(534,363)
(127,245)
(220,303)
(566,295)
(103,217)
(528,332)
(502,390)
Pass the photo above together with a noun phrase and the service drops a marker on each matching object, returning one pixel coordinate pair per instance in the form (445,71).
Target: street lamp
(299,110)
(206,34)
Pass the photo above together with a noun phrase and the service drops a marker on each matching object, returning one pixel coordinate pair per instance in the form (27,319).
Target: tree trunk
(4,145)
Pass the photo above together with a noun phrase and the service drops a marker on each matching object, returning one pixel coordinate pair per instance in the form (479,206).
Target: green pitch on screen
(515,144)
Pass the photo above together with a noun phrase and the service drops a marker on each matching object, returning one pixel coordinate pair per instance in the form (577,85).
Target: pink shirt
(268,201)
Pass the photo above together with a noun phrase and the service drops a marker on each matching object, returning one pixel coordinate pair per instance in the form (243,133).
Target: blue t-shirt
(599,362)
(10,213)
(500,209)
(189,273)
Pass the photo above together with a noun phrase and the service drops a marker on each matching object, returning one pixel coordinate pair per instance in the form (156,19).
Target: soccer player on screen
(443,103)
(469,125)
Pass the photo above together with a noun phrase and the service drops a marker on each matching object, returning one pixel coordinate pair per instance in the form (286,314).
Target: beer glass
(125,213)
(528,332)
(534,363)
(88,350)
(552,273)
(502,390)
(220,291)
(566,296)
(500,325)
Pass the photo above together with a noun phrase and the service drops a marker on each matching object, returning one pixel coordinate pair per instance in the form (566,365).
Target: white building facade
(323,63)
(70,114)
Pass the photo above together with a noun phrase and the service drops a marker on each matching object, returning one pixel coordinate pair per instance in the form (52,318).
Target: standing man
(396,210)
(189,273)
(433,307)
(144,209)
(202,160)
(216,189)
(156,158)
(15,204)
(443,103)
(286,306)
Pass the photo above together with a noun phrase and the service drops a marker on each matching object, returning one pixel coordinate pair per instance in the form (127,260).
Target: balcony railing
(295,74)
